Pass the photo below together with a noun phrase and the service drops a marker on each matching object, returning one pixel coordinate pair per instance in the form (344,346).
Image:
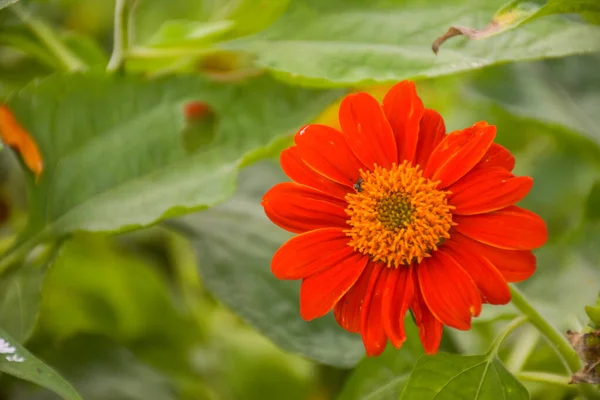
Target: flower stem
(121,35)
(43,32)
(544,377)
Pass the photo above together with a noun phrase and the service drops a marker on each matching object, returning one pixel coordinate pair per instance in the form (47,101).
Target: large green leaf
(449,376)
(363,41)
(234,244)
(113,151)
(16,361)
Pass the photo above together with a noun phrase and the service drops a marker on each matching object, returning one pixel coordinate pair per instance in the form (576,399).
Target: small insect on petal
(15,136)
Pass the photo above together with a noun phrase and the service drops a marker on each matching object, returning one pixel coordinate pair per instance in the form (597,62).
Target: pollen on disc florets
(398,217)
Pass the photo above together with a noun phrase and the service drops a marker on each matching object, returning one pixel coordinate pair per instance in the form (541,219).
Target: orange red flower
(393,214)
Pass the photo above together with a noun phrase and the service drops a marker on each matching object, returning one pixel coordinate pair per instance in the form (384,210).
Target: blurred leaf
(87,49)
(449,376)
(234,244)
(250,16)
(6,3)
(568,7)
(560,92)
(519,12)
(338,43)
(123,304)
(592,206)
(384,377)
(101,370)
(16,361)
(594,312)
(20,299)
(79,121)
(189,33)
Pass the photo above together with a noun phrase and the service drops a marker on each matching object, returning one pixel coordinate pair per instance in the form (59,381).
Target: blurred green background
(129,317)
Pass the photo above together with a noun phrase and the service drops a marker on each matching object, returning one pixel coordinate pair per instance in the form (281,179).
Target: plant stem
(69,61)
(544,377)
(121,35)
(522,349)
(558,341)
(556,338)
(510,328)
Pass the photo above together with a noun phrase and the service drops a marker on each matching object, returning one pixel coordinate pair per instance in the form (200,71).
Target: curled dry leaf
(15,136)
(508,17)
(587,346)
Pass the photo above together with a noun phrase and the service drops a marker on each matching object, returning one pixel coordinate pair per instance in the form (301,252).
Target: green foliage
(139,266)
(340,43)
(450,376)
(234,260)
(17,361)
(79,120)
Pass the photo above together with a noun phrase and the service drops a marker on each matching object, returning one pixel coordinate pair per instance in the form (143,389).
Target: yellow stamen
(398,217)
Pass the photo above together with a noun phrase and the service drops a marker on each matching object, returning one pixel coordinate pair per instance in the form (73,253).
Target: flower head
(393,214)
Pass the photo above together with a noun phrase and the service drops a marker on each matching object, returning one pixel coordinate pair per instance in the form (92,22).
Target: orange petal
(326,151)
(511,228)
(321,291)
(448,291)
(398,295)
(15,136)
(298,208)
(347,310)
(489,280)
(404,109)
(310,252)
(371,324)
(430,329)
(367,130)
(487,189)
(497,156)
(295,168)
(458,153)
(431,132)
(514,265)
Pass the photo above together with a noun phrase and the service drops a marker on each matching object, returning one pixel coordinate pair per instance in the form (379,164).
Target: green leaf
(114,157)
(189,33)
(102,369)
(338,43)
(557,92)
(6,3)
(384,377)
(449,376)
(20,299)
(592,206)
(121,305)
(519,12)
(593,312)
(234,244)
(16,361)
(569,7)
(249,16)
